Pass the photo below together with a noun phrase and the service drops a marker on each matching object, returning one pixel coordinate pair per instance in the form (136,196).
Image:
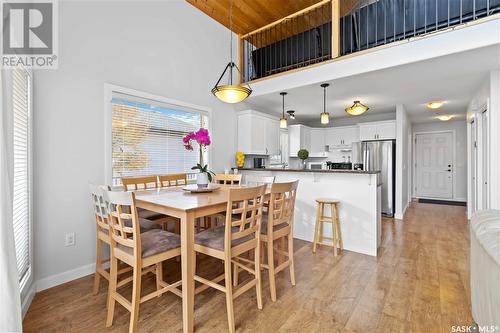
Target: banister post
(335,28)
(241,55)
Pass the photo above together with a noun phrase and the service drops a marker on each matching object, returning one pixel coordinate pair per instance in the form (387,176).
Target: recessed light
(444,117)
(435,105)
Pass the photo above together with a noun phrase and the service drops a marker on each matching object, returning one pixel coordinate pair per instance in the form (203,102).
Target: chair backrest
(173,179)
(251,180)
(243,213)
(138,183)
(282,204)
(228,179)
(124,226)
(100,209)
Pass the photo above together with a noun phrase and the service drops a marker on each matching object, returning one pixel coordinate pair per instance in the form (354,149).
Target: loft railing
(308,36)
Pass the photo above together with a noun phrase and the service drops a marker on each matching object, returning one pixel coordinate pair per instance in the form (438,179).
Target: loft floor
(419,283)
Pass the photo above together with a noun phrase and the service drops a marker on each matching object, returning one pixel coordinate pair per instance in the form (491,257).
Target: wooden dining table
(186,206)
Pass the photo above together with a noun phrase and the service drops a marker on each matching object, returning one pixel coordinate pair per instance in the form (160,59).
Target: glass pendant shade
(283,123)
(325,117)
(356,109)
(231,93)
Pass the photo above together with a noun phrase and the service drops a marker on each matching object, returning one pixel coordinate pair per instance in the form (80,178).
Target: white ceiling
(453,78)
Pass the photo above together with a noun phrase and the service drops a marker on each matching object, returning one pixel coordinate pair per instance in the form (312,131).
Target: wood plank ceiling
(249,15)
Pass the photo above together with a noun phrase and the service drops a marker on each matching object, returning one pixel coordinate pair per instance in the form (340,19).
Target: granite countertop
(308,170)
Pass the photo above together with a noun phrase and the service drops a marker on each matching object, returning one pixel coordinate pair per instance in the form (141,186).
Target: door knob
(449,170)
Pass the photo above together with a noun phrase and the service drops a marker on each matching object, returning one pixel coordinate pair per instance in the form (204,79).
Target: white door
(473,162)
(434,165)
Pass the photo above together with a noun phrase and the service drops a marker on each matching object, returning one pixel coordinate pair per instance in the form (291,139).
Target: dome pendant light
(283,120)
(356,109)
(231,93)
(324,116)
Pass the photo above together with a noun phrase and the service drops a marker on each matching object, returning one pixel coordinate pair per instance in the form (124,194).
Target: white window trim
(109,89)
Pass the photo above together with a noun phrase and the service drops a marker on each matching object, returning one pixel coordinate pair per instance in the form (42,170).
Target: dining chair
(240,234)
(144,252)
(278,226)
(228,179)
(102,233)
(251,180)
(175,179)
(139,183)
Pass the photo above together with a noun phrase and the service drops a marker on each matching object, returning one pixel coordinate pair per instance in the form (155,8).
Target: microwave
(315,166)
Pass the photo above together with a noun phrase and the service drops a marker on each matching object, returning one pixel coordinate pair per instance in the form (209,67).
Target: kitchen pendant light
(231,93)
(283,120)
(356,109)
(291,113)
(324,116)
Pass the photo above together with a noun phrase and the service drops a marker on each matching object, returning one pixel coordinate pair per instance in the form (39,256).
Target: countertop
(308,170)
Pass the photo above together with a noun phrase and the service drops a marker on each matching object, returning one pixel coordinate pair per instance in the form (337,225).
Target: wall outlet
(70,240)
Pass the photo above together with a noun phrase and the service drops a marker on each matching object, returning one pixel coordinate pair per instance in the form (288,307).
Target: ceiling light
(324,116)
(291,113)
(231,93)
(356,109)
(435,105)
(444,117)
(283,121)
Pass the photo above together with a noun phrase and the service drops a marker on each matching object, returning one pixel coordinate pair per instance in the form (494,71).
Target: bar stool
(333,219)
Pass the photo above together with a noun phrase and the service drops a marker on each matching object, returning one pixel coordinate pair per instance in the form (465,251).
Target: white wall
(460,128)
(166,48)
(403,128)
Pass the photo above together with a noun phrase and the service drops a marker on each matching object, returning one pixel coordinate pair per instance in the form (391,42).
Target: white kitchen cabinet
(341,136)
(317,141)
(258,133)
(299,138)
(383,130)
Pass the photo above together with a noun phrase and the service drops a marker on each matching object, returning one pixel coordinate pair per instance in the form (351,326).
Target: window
(147,137)
(21,102)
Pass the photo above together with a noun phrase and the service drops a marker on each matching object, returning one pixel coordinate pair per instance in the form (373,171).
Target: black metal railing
(306,38)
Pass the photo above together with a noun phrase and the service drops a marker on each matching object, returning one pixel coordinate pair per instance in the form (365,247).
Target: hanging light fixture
(283,120)
(231,93)
(356,109)
(291,113)
(324,116)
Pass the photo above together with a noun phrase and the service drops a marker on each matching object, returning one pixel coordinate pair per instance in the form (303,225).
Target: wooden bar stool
(333,219)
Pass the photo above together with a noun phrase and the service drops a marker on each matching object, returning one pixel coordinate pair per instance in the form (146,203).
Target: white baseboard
(27,300)
(57,279)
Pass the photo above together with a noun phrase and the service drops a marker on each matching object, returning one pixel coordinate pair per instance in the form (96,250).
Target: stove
(337,166)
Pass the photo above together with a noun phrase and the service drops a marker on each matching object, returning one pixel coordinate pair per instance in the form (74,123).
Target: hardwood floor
(419,283)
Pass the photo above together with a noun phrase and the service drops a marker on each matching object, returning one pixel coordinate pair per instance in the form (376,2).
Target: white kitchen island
(359,208)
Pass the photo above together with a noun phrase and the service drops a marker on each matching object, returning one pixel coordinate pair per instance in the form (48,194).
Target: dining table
(186,206)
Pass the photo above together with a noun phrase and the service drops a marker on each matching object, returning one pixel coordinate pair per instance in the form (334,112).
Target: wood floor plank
(418,283)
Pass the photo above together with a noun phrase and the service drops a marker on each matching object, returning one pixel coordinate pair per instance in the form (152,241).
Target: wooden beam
(335,28)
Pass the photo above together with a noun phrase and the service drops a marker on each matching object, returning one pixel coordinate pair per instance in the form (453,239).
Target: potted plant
(303,154)
(201,137)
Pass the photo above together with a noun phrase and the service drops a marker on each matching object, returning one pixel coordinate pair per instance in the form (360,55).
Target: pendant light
(291,113)
(324,116)
(283,120)
(356,109)
(231,93)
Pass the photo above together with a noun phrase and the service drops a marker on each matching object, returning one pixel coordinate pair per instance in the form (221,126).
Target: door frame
(454,159)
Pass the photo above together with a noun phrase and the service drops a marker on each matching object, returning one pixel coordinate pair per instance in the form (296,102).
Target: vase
(202,179)
(304,165)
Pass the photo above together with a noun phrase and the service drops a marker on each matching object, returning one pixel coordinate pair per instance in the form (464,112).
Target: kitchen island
(359,209)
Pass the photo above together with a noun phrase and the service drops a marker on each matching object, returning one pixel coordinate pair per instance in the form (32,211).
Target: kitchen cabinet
(299,138)
(383,130)
(342,136)
(317,141)
(258,133)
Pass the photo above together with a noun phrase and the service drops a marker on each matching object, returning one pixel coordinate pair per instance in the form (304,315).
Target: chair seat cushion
(155,241)
(263,227)
(214,238)
(147,214)
(145,224)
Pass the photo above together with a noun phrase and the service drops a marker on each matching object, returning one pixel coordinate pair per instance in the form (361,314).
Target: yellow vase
(240,159)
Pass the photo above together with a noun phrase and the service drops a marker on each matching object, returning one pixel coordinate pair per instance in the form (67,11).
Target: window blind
(21,92)
(147,138)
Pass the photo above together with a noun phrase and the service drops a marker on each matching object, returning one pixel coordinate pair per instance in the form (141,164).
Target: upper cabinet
(258,133)
(318,139)
(341,136)
(300,138)
(381,130)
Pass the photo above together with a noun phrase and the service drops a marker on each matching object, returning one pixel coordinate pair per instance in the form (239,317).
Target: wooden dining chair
(239,235)
(227,179)
(139,183)
(175,179)
(102,233)
(277,225)
(144,252)
(251,180)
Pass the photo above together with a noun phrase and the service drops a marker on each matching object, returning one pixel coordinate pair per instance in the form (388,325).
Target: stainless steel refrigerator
(379,155)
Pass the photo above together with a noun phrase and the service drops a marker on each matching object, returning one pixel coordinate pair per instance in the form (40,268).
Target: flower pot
(202,180)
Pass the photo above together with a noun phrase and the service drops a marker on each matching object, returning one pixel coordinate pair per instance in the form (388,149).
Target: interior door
(485,160)
(473,152)
(434,165)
